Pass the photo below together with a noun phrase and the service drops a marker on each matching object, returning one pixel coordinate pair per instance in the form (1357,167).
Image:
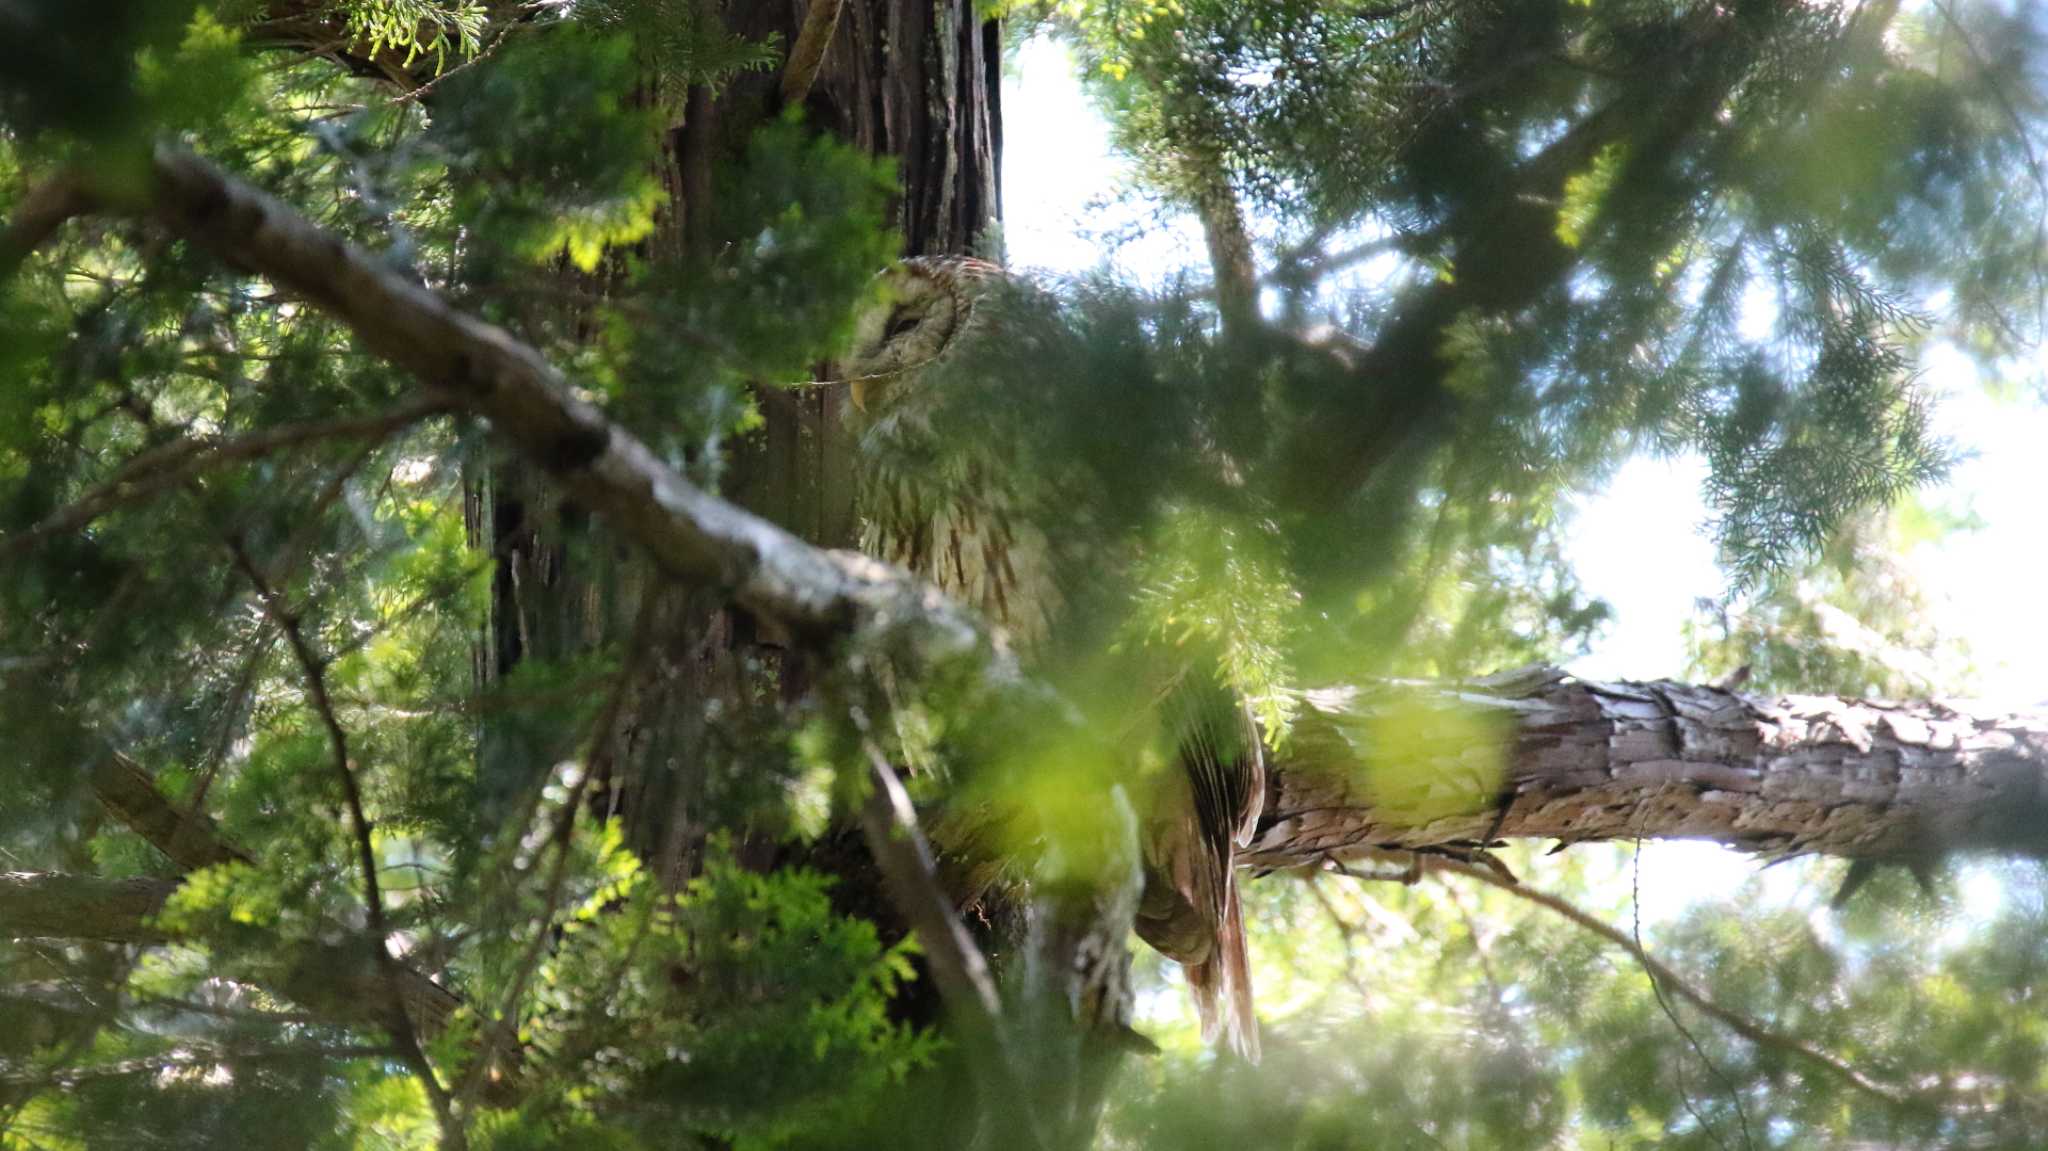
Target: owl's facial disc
(889,333)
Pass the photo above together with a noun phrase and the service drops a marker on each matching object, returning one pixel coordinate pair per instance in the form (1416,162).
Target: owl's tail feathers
(1222,983)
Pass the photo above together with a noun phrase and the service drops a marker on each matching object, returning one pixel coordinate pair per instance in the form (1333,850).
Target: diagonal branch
(170,464)
(1677,984)
(819,596)
(807,55)
(889,824)
(407,1039)
(187,838)
(910,873)
(46,208)
(37,905)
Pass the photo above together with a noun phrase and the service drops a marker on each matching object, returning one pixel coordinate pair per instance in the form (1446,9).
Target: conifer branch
(1682,988)
(289,622)
(177,462)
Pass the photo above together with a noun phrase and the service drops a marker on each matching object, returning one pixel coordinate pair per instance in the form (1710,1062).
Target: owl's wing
(1191,912)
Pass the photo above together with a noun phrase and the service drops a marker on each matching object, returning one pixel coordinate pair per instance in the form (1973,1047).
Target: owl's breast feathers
(946,512)
(968,543)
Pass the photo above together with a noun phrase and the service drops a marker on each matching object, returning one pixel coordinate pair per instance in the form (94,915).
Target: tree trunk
(914,80)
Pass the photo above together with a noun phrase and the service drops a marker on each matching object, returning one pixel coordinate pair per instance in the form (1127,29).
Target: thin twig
(421,90)
(167,465)
(1635,905)
(1741,1025)
(195,808)
(289,623)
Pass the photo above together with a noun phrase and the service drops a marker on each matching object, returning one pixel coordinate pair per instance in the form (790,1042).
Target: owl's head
(923,306)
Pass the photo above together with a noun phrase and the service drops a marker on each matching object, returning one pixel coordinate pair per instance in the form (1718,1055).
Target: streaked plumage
(952,521)
(955,521)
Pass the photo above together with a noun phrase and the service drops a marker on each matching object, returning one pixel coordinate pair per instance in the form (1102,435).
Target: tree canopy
(443,706)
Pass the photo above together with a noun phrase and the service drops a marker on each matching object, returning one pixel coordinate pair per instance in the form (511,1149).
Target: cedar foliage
(1599,229)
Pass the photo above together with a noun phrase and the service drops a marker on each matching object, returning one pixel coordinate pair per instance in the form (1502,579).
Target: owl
(948,516)
(952,515)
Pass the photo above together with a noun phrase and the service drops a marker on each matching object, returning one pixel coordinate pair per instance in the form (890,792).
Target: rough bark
(912,80)
(915,80)
(40,906)
(1552,757)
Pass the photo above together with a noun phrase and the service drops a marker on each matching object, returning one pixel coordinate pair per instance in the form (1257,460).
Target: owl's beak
(857,391)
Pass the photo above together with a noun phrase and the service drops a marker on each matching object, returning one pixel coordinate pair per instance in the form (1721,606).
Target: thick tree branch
(47,207)
(337,981)
(187,838)
(1541,755)
(818,596)
(35,905)
(157,1065)
(1228,241)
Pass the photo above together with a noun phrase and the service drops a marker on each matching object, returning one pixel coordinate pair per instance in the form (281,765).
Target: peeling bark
(1578,760)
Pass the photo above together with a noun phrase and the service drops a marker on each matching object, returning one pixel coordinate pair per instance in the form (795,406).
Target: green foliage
(548,153)
(70,69)
(1224,586)
(1850,623)
(615,836)
(780,1002)
(417,26)
(796,229)
(1803,430)
(677,45)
